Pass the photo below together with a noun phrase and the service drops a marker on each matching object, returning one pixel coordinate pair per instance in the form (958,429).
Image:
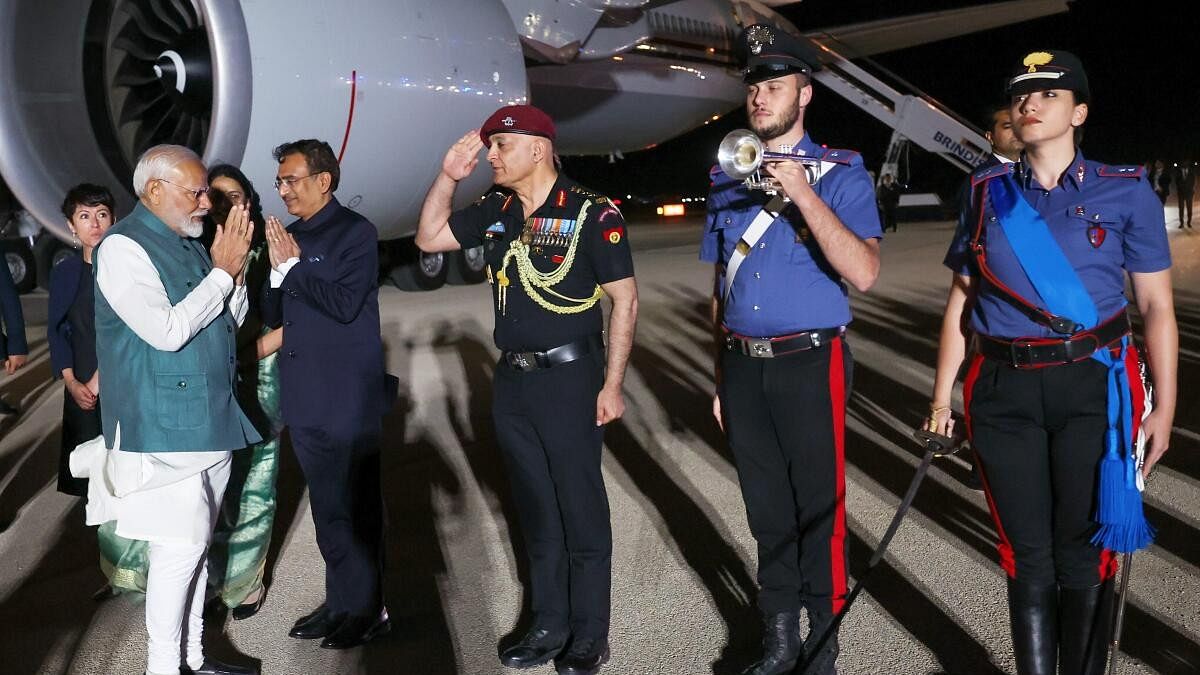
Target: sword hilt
(943,445)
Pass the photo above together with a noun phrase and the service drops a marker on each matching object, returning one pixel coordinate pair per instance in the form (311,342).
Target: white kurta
(169,496)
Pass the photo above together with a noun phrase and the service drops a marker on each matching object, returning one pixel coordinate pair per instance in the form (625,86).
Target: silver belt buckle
(521,361)
(760,349)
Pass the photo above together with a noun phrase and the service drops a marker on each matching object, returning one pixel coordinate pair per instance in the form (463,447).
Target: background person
(14,350)
(1185,190)
(887,195)
(238,556)
(71,335)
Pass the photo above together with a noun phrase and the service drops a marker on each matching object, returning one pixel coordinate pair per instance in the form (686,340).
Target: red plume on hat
(517,119)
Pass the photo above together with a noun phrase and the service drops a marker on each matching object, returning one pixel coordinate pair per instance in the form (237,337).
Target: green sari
(238,555)
(123,561)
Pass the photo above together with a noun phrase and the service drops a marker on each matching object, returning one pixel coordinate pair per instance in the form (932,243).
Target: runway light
(671,210)
(618,58)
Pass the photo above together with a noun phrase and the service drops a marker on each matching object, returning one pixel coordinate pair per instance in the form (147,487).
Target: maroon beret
(517,119)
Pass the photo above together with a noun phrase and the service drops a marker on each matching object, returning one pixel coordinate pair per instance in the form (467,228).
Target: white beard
(191,228)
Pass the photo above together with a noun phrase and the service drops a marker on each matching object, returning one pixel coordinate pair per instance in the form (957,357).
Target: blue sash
(1123,525)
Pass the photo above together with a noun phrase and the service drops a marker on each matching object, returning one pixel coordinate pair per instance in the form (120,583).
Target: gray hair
(157,162)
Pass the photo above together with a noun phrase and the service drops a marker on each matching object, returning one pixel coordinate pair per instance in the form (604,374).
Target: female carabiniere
(1053,401)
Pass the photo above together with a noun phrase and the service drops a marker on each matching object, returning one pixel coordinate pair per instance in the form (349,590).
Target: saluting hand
(281,245)
(610,405)
(231,245)
(463,156)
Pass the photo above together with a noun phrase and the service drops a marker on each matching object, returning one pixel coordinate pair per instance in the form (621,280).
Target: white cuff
(224,281)
(278,273)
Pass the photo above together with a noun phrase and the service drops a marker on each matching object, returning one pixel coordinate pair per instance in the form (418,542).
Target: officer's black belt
(766,348)
(557,356)
(1042,352)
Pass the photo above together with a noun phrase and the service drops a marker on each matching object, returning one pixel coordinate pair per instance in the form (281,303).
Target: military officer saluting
(553,250)
(780,311)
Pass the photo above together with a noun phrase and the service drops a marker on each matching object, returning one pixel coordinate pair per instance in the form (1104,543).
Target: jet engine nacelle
(86,86)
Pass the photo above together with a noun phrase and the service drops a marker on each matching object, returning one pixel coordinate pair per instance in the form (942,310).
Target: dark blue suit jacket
(331,366)
(64,284)
(12,333)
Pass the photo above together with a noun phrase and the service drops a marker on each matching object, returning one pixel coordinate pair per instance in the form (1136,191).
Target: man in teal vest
(166,315)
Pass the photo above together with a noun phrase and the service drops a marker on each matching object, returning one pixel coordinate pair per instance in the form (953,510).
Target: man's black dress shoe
(583,658)
(358,630)
(247,610)
(537,647)
(319,624)
(215,667)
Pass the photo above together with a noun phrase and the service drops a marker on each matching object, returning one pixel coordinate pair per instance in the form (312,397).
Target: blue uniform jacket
(64,284)
(1107,221)
(786,285)
(12,333)
(331,366)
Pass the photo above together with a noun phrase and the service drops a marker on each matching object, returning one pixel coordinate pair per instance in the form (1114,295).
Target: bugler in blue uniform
(783,367)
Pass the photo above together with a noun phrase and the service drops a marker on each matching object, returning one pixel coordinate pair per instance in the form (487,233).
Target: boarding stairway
(915,117)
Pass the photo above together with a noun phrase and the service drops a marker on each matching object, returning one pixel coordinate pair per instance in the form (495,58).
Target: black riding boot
(1033,614)
(820,650)
(1085,628)
(782,648)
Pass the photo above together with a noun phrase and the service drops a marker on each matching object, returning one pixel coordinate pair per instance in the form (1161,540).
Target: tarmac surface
(683,563)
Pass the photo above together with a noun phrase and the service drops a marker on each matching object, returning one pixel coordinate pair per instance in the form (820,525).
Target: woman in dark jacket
(71,328)
(71,333)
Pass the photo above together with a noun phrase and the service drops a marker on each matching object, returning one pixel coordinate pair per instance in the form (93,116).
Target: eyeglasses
(291,181)
(196,194)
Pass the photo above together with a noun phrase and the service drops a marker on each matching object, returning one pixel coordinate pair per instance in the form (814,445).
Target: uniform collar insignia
(1079,173)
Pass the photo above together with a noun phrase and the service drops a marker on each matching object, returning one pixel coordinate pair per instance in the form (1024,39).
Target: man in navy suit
(323,292)
(13,348)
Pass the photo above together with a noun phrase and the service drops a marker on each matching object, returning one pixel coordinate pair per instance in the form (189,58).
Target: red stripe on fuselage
(350,116)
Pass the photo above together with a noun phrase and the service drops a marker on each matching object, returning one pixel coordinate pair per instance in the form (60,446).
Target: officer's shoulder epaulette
(841,156)
(490,194)
(594,197)
(1116,171)
(990,172)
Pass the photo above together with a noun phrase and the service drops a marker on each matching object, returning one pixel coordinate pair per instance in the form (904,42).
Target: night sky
(1141,58)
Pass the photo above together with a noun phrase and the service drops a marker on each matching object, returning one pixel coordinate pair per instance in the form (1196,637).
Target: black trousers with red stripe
(1038,436)
(786,419)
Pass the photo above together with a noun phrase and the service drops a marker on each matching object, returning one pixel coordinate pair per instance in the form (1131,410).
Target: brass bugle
(741,155)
